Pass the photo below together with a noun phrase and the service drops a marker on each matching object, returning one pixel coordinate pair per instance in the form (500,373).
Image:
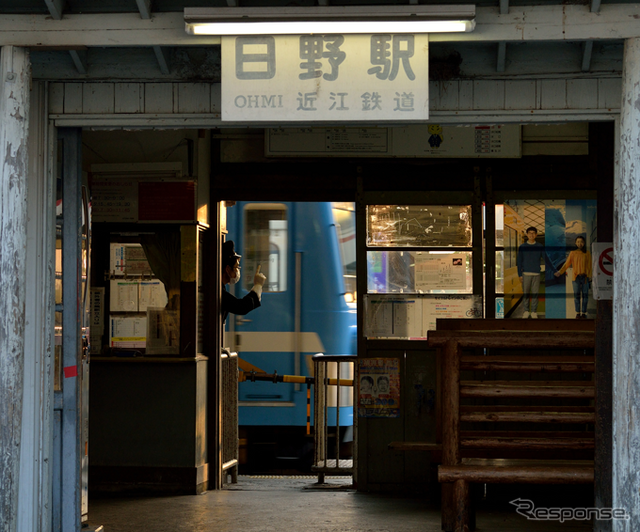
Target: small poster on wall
(440,272)
(379,387)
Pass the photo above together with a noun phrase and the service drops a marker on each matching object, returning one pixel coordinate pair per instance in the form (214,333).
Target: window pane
(499,225)
(419,272)
(265,244)
(419,225)
(499,272)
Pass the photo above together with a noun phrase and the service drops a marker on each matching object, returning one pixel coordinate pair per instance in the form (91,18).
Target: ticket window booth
(148,388)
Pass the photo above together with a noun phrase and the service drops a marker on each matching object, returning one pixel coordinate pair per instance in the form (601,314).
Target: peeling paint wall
(14,110)
(626,362)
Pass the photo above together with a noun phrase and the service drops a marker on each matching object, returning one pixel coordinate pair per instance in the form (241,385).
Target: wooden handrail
(529,417)
(535,363)
(526,443)
(514,339)
(524,408)
(499,324)
(559,389)
(510,474)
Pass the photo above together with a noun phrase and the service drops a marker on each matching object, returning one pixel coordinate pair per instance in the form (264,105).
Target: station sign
(602,262)
(332,78)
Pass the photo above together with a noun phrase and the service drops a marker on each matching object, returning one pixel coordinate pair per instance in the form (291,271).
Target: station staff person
(231,274)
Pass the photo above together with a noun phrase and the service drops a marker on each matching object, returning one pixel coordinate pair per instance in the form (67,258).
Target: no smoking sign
(606,261)
(603,270)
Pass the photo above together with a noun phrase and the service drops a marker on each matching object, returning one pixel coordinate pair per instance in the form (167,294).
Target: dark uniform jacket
(243,306)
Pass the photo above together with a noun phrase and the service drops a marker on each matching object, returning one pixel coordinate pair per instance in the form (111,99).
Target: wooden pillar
(36,454)
(450,429)
(601,151)
(626,300)
(461,504)
(14,113)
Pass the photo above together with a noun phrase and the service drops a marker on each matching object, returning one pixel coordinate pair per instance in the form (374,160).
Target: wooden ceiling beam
(502,57)
(587,52)
(144,6)
(55,7)
(533,23)
(79,61)
(163,62)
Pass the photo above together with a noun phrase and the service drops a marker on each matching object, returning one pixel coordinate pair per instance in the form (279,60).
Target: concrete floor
(292,504)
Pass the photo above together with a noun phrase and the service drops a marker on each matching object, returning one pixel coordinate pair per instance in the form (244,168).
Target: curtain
(164,256)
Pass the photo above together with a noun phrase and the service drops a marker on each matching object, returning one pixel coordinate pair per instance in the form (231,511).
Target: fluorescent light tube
(330,20)
(330,27)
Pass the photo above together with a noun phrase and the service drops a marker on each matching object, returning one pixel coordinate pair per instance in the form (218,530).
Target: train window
(265,244)
(344,218)
(419,225)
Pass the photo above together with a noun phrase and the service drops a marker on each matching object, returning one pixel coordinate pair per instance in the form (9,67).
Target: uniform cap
(229,255)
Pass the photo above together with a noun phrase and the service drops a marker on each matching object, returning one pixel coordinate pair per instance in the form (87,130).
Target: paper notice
(124,296)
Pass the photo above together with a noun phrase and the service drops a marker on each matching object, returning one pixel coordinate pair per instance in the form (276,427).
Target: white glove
(258,281)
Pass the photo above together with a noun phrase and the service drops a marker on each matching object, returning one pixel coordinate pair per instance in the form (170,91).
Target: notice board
(419,140)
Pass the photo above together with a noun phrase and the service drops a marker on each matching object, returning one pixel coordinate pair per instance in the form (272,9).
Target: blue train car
(307,252)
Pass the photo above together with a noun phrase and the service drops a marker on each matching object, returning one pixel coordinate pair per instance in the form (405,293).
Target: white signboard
(602,258)
(414,317)
(394,318)
(337,78)
(440,272)
(128,259)
(152,294)
(124,296)
(442,307)
(126,332)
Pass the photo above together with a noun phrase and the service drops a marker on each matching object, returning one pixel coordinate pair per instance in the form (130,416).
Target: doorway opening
(306,250)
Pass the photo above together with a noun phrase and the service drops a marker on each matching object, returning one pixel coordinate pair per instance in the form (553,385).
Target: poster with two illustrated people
(547,258)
